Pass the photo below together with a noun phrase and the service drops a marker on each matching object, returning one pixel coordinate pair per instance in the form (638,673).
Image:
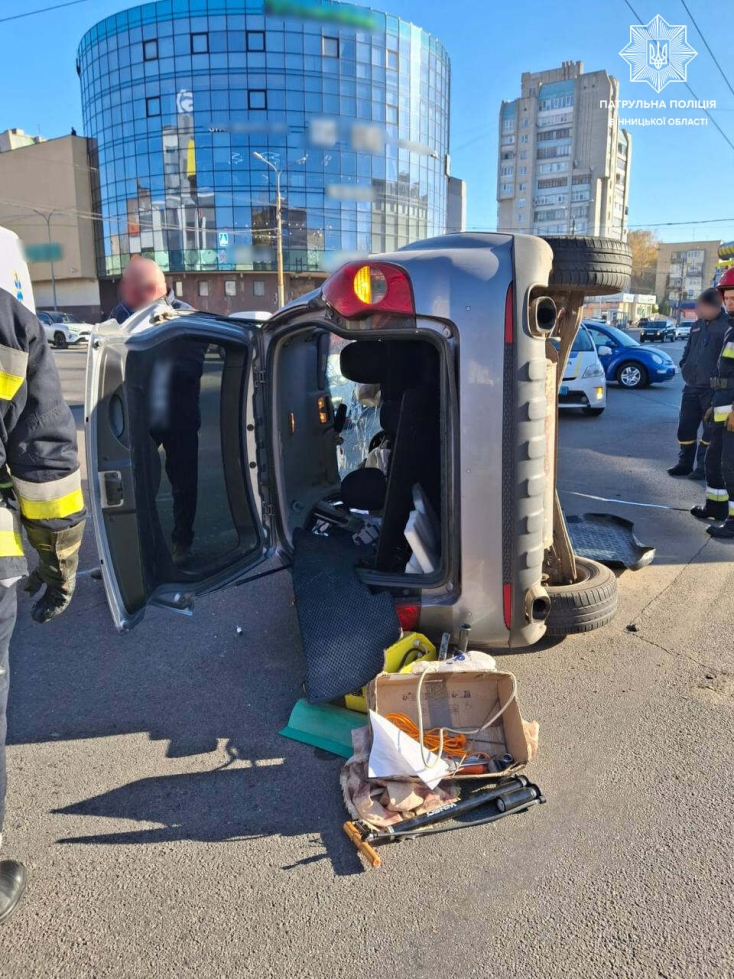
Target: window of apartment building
(521,202)
(558,102)
(507,140)
(554,134)
(552,167)
(580,195)
(330,47)
(257,98)
(204,288)
(549,215)
(524,138)
(505,188)
(150,50)
(508,155)
(255,40)
(507,171)
(391,114)
(230,287)
(523,154)
(178,288)
(525,123)
(552,182)
(258,288)
(508,123)
(393,60)
(580,178)
(522,171)
(153,107)
(200,44)
(549,152)
(521,187)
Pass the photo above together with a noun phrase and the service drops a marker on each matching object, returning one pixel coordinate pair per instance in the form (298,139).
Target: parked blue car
(625,360)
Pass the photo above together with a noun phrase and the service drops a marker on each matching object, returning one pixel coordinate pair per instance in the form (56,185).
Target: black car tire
(587,604)
(60,340)
(592,266)
(641,381)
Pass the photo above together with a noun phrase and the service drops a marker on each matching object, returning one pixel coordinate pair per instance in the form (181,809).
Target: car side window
(601,339)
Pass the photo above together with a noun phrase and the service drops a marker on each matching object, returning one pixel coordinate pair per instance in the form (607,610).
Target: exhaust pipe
(542,316)
(537,604)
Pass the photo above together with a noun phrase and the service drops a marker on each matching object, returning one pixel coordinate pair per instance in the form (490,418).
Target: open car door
(174,422)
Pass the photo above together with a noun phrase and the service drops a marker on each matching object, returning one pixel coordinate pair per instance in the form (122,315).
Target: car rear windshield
(622,338)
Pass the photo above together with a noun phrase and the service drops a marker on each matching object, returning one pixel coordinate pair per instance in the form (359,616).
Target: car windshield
(581,344)
(622,338)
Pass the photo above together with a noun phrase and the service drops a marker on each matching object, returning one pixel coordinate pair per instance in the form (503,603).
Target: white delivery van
(14,275)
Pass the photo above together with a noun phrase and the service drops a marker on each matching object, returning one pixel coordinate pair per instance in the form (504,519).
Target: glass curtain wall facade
(351,105)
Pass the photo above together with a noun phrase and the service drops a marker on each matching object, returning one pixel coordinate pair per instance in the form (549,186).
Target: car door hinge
(269,510)
(259,378)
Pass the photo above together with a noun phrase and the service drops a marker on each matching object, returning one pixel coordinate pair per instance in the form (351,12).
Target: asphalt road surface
(171,832)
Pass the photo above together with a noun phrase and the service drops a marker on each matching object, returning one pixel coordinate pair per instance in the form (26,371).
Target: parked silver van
(407,407)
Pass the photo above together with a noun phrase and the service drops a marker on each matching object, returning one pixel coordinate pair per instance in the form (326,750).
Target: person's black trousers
(694,404)
(182,468)
(720,467)
(8,612)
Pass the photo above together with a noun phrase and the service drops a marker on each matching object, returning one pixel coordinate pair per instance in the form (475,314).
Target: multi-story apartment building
(564,162)
(684,269)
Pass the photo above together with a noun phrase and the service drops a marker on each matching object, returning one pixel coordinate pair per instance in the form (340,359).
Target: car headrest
(363,361)
(364,489)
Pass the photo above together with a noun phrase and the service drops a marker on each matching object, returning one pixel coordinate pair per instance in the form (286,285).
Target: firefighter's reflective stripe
(51,500)
(13,367)
(717,495)
(722,412)
(692,442)
(728,350)
(11,544)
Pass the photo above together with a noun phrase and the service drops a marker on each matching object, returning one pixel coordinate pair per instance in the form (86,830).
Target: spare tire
(587,604)
(593,266)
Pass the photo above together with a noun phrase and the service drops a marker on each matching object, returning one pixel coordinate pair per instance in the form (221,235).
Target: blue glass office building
(350,104)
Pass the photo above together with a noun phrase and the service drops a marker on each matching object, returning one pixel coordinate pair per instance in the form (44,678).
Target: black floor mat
(344,627)
(609,539)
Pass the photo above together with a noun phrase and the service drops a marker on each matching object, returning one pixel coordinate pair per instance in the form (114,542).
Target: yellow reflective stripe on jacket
(722,412)
(11,544)
(51,500)
(728,350)
(13,366)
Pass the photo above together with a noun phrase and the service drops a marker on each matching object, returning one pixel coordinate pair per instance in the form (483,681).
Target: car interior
(358,426)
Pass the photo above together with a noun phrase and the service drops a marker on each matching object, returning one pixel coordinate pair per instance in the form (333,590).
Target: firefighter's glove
(730,422)
(708,415)
(58,552)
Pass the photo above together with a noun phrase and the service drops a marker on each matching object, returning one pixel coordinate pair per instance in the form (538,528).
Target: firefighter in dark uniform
(719,503)
(698,363)
(41,491)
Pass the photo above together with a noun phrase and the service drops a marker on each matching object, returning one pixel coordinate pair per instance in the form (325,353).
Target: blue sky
(678,174)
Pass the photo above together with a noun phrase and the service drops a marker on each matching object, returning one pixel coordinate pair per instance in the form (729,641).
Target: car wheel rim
(630,377)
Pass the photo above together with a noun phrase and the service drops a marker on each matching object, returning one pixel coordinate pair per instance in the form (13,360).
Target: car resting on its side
(408,407)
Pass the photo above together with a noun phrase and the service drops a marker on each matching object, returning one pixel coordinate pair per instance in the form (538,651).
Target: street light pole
(47,215)
(278,227)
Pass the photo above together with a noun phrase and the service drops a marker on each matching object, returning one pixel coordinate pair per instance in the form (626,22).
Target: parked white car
(683,330)
(63,328)
(584,383)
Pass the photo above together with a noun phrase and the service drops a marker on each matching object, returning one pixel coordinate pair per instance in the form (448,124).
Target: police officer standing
(719,503)
(697,366)
(40,486)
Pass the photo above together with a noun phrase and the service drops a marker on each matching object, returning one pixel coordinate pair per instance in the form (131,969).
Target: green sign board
(50,251)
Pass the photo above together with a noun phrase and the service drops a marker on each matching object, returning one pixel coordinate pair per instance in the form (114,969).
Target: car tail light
(361,288)
(408,616)
(507,604)
(509,314)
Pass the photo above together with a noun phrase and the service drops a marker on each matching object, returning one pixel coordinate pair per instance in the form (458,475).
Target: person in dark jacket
(41,491)
(698,364)
(719,504)
(143,283)
(175,391)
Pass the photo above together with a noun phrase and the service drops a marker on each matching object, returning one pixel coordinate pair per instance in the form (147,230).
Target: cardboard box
(463,700)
